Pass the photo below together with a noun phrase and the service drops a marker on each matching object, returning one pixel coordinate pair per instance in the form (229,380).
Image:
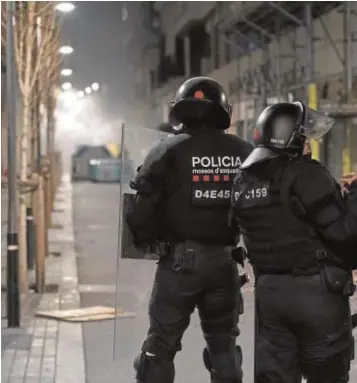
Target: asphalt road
(96,209)
(111,347)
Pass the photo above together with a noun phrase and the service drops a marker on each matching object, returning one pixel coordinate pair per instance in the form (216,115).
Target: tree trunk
(48,194)
(24,159)
(3,137)
(39,215)
(49,150)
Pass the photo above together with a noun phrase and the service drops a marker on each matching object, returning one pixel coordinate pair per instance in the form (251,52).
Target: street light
(66,72)
(80,94)
(66,50)
(95,86)
(66,86)
(65,7)
(88,90)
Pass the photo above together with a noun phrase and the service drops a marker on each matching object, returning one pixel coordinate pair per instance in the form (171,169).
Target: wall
(327,64)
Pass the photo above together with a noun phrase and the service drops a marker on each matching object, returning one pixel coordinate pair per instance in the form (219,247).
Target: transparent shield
(316,124)
(135,269)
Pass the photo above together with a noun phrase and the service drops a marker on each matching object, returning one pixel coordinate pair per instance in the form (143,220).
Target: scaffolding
(253,27)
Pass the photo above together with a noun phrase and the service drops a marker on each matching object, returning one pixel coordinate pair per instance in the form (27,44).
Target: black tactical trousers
(303,329)
(203,277)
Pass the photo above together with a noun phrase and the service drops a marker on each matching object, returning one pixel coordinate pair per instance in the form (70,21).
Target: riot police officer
(182,203)
(299,233)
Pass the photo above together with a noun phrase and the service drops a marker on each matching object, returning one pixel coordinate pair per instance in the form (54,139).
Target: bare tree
(50,84)
(3,97)
(48,80)
(36,34)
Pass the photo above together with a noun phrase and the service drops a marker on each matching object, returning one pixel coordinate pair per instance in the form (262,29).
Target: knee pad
(236,374)
(153,369)
(207,358)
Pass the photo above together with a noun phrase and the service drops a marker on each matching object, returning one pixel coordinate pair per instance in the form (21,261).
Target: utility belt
(184,253)
(337,279)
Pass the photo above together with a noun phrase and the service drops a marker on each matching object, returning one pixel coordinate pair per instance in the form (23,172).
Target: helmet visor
(315,124)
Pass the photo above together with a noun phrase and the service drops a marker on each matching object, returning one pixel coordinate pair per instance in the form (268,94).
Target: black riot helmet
(283,128)
(201,101)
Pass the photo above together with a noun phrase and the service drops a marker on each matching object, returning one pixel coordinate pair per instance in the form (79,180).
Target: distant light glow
(66,50)
(80,94)
(66,72)
(67,97)
(95,86)
(66,86)
(88,90)
(65,7)
(71,104)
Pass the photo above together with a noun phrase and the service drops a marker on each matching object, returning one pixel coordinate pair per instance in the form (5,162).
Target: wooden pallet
(85,314)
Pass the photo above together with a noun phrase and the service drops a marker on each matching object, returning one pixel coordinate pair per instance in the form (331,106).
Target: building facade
(261,52)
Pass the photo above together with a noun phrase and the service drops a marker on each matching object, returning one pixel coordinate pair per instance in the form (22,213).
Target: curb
(70,366)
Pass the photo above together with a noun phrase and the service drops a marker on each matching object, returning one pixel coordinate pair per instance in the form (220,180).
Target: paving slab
(43,350)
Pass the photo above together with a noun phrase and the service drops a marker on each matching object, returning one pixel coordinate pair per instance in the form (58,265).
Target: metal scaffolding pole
(13,293)
(310,67)
(347,48)
(309,46)
(347,74)
(238,93)
(263,84)
(278,60)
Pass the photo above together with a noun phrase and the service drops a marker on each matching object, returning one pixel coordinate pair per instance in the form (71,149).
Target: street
(95,210)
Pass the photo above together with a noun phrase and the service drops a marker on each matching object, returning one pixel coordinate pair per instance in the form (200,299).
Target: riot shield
(135,274)
(136,143)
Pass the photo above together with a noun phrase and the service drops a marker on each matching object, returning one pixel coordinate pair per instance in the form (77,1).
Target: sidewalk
(48,351)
